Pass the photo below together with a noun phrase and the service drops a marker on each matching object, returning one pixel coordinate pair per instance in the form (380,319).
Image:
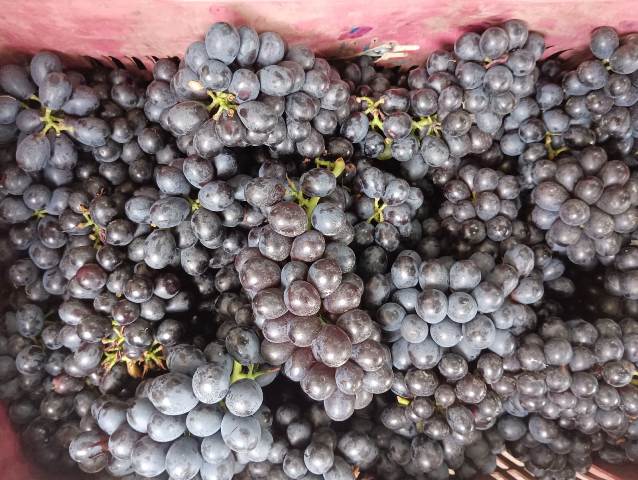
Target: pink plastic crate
(143,29)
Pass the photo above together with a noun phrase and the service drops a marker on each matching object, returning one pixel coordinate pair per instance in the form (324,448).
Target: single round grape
(165,428)
(414,329)
(148,457)
(603,42)
(461,307)
(446,333)
(332,346)
(479,332)
(210,383)
(183,460)
(319,382)
(241,434)
(432,305)
(244,397)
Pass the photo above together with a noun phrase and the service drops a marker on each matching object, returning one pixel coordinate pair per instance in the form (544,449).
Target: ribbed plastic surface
(145,28)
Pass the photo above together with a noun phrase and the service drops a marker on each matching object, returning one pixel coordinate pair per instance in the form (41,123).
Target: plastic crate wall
(146,28)
(133,33)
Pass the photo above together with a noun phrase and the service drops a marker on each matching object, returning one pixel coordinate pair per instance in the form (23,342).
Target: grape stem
(377,216)
(431,122)
(552,153)
(373,110)
(54,122)
(490,62)
(337,167)
(387,150)
(195,204)
(403,402)
(98,236)
(40,213)
(308,204)
(356,471)
(239,374)
(221,102)
(151,359)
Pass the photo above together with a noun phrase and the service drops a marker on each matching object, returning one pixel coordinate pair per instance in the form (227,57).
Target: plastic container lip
(136,32)
(142,29)
(13,465)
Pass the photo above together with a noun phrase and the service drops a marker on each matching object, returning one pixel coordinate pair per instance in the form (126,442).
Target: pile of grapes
(259,264)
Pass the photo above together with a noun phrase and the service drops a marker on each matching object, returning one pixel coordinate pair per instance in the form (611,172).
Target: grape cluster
(453,106)
(238,88)
(576,377)
(480,204)
(586,204)
(468,305)
(307,308)
(60,107)
(194,419)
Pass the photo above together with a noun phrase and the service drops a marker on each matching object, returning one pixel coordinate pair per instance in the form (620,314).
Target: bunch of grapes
(238,88)
(481,204)
(307,308)
(468,305)
(453,107)
(586,204)
(198,417)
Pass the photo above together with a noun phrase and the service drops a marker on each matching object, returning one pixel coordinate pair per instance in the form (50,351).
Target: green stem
(40,213)
(373,111)
(377,216)
(387,150)
(429,122)
(98,232)
(337,167)
(552,153)
(195,204)
(221,102)
(308,204)
(376,121)
(239,374)
(53,122)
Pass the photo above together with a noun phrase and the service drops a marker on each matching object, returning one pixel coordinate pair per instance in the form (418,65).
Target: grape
(210,383)
(241,434)
(182,459)
(220,471)
(222,42)
(318,458)
(172,394)
(479,332)
(432,305)
(148,457)
(332,346)
(244,398)
(414,329)
(214,450)
(319,382)
(15,81)
(165,428)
